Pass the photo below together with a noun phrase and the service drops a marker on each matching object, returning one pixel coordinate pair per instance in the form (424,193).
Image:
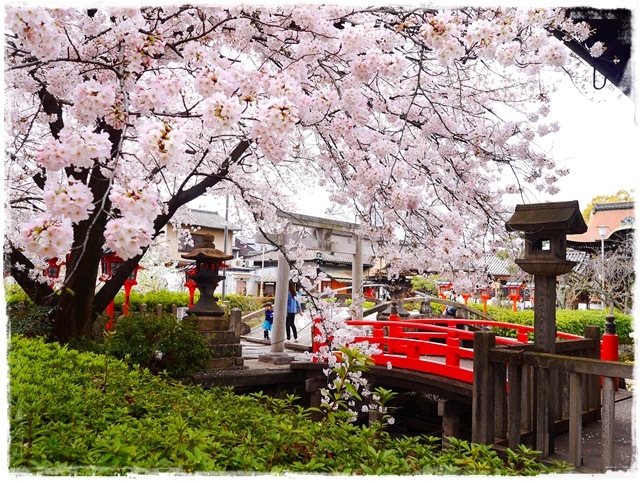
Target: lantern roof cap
(548,216)
(207,254)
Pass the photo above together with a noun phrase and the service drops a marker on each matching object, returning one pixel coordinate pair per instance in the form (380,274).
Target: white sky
(598,142)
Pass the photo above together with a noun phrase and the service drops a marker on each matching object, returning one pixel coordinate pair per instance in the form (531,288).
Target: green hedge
(73,413)
(181,299)
(569,321)
(159,344)
(13,294)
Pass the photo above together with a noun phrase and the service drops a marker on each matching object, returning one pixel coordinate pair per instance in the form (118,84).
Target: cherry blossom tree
(612,279)
(417,120)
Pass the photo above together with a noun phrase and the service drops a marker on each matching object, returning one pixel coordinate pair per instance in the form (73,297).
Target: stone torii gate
(321,230)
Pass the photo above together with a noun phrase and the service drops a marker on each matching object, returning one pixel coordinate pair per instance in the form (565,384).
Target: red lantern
(191,285)
(128,284)
(443,286)
(108,264)
(53,268)
(514,293)
(485,295)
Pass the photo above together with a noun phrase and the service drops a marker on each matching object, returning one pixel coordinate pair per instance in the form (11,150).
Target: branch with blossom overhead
(418,121)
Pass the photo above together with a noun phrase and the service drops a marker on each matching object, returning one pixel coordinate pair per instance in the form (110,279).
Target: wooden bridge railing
(519,396)
(526,397)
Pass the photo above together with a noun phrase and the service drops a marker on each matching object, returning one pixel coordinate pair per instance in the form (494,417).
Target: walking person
(293,308)
(268,320)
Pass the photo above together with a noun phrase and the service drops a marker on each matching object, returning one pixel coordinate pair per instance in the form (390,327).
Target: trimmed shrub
(181,299)
(29,320)
(159,344)
(569,321)
(82,414)
(13,294)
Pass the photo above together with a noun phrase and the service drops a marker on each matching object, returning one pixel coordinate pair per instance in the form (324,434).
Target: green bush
(13,294)
(245,303)
(73,413)
(159,344)
(365,304)
(181,299)
(29,319)
(569,321)
(153,298)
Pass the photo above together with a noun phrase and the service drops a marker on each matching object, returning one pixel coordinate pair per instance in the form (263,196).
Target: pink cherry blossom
(69,199)
(46,237)
(417,122)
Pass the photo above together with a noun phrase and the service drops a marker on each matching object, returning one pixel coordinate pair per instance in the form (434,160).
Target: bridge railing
(437,346)
(526,397)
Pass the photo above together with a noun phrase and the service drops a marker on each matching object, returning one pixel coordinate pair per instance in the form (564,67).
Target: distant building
(618,219)
(207,228)
(617,222)
(338,268)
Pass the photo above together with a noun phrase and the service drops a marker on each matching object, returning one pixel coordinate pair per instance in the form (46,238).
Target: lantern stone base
(276,358)
(207,324)
(224,344)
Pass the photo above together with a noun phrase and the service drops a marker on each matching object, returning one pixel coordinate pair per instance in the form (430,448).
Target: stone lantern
(208,261)
(207,316)
(545,227)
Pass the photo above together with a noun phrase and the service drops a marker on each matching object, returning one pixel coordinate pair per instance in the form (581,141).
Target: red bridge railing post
(452,357)
(609,347)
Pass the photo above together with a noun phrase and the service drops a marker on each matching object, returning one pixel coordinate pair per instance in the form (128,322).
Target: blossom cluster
(154,93)
(70,199)
(161,142)
(221,113)
(46,236)
(92,99)
(37,31)
(139,205)
(78,147)
(127,236)
(276,120)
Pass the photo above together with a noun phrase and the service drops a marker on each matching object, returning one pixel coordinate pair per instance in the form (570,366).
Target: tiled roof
(615,216)
(496,266)
(212,220)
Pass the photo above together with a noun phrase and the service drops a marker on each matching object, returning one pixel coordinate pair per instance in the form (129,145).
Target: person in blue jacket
(268,320)
(293,308)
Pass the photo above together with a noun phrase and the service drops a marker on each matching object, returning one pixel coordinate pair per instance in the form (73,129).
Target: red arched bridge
(439,346)
(512,394)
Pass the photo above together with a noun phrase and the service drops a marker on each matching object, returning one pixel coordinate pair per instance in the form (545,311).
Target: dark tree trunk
(79,304)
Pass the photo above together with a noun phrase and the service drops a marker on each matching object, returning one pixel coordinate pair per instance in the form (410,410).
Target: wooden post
(174,310)
(608,417)
(514,404)
(313,386)
(592,400)
(526,419)
(159,311)
(450,411)
(483,404)
(143,307)
(500,385)
(544,340)
(575,419)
